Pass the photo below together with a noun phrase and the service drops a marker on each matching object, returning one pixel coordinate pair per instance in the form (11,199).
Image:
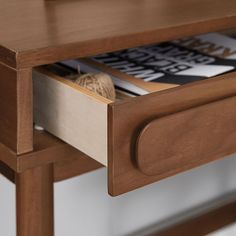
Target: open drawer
(142,139)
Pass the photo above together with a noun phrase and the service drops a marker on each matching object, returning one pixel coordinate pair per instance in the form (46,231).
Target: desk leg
(16,109)
(34,200)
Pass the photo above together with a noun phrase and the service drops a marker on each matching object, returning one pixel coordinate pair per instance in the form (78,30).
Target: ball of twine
(99,83)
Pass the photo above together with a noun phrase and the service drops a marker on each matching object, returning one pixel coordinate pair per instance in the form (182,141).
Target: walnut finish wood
(127,118)
(16,109)
(38,32)
(203,224)
(187,139)
(44,143)
(48,149)
(34,199)
(74,166)
(48,32)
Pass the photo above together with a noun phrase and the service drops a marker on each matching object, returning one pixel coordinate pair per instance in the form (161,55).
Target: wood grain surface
(34,202)
(16,109)
(39,32)
(48,149)
(186,139)
(74,166)
(127,118)
(203,224)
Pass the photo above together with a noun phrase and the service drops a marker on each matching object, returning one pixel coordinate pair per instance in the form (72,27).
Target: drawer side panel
(71,115)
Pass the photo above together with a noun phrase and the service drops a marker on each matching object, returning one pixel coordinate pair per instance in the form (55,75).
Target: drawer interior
(71,112)
(86,120)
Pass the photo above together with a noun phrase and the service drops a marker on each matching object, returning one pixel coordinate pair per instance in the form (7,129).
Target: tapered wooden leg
(34,200)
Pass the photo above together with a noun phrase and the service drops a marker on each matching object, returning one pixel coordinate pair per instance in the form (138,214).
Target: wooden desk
(38,32)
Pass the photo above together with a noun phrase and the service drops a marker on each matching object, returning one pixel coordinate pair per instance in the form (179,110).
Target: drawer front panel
(187,138)
(129,163)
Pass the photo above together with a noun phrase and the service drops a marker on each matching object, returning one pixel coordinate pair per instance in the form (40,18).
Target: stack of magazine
(141,70)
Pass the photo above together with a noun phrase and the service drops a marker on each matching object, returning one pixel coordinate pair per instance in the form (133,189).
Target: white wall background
(83,207)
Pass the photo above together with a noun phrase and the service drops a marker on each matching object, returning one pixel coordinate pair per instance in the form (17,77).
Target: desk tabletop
(38,32)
